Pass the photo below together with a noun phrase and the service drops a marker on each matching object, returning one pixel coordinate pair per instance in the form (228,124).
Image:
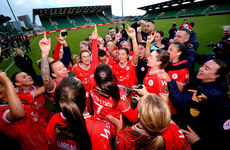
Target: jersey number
(181,134)
(99,107)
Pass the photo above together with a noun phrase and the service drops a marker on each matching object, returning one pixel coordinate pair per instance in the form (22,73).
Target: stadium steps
(220,8)
(71,21)
(47,24)
(62,22)
(193,10)
(94,19)
(169,14)
(79,20)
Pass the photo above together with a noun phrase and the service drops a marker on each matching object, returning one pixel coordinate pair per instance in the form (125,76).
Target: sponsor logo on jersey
(226,125)
(174,76)
(163,82)
(63,132)
(186,76)
(99,92)
(185,81)
(150,82)
(165,89)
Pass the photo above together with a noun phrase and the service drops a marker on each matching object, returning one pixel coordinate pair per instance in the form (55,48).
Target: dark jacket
(204,122)
(23,63)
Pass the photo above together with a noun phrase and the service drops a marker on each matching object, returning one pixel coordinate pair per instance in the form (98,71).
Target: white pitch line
(13,61)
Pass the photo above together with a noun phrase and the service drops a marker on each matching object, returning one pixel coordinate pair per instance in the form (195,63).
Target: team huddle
(132,90)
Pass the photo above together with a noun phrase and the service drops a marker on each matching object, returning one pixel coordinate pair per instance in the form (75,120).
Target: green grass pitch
(208,29)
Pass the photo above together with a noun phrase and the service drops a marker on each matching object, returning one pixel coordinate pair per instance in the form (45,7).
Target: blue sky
(25,7)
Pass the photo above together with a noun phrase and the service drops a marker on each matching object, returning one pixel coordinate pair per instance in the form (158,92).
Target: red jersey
(84,75)
(59,134)
(103,105)
(181,77)
(131,55)
(173,137)
(38,103)
(155,84)
(110,62)
(126,75)
(108,55)
(70,67)
(29,132)
(98,131)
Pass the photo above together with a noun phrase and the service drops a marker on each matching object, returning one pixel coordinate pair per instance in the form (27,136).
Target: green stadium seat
(62,22)
(47,24)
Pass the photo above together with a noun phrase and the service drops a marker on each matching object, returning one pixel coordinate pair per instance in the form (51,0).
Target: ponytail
(154,116)
(111,89)
(104,77)
(71,101)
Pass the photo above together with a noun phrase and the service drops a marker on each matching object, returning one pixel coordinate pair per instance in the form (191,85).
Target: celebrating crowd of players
(123,93)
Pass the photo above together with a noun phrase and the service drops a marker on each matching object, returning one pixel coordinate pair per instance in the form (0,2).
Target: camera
(63,34)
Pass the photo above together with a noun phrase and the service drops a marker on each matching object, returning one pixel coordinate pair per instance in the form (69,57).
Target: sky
(25,7)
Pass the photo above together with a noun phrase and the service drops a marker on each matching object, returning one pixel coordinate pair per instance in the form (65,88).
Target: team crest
(150,82)
(127,68)
(174,76)
(226,125)
(143,69)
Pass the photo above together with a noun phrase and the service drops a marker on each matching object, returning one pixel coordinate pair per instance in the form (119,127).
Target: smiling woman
(196,111)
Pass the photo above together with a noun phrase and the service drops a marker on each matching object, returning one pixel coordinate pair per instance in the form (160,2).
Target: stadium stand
(47,23)
(78,20)
(62,22)
(69,17)
(178,8)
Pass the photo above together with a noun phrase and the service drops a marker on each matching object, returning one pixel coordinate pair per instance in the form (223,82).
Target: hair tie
(156,134)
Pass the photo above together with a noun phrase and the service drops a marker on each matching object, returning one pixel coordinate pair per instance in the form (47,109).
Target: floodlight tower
(17,24)
(122,9)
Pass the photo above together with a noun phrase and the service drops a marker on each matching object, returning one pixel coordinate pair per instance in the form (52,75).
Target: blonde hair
(154,116)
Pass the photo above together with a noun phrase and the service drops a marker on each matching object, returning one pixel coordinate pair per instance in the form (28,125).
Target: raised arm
(94,36)
(139,36)
(150,39)
(45,45)
(112,47)
(132,34)
(17,110)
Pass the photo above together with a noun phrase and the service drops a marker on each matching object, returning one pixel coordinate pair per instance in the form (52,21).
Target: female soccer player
(32,94)
(125,70)
(73,127)
(157,62)
(154,130)
(176,51)
(109,99)
(18,120)
(158,37)
(56,69)
(85,69)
